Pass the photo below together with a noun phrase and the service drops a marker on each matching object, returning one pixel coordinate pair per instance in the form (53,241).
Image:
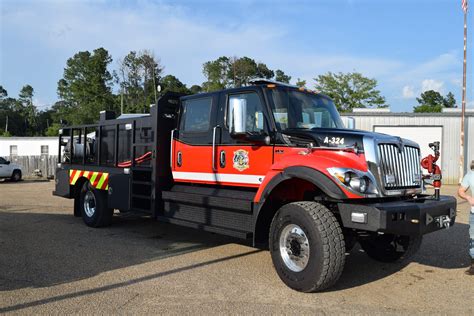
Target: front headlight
(357,181)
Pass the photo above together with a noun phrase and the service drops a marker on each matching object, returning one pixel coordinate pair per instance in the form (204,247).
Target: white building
(28,146)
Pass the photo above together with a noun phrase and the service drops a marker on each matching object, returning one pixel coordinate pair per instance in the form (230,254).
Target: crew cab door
(192,144)
(239,161)
(5,168)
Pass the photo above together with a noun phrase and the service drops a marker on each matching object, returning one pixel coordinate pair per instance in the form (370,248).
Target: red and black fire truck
(270,163)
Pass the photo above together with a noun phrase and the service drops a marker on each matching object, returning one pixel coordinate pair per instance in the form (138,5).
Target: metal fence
(29,164)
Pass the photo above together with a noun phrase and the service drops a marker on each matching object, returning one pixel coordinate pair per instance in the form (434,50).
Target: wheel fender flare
(320,180)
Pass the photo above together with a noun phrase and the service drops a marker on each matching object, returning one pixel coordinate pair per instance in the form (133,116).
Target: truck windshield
(294,109)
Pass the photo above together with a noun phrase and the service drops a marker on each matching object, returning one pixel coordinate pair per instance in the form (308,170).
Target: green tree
(195,89)
(433,102)
(152,71)
(216,73)
(350,90)
(12,121)
(449,101)
(300,83)
(53,129)
(26,95)
(131,83)
(243,69)
(263,71)
(28,110)
(4,110)
(281,76)
(227,72)
(171,83)
(3,93)
(86,86)
(44,120)
(138,76)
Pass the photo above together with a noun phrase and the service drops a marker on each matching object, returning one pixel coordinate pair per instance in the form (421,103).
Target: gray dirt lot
(50,262)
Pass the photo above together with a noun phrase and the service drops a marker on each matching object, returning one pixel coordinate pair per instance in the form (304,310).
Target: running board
(207,228)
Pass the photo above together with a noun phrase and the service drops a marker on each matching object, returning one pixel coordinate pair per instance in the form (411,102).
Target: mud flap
(77,208)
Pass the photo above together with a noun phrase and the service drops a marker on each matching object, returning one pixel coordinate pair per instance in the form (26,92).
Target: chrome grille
(400,168)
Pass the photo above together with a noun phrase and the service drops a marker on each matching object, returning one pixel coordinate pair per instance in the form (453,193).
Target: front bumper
(407,217)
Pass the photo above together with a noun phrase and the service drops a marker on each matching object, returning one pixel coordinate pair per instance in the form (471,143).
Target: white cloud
(408,92)
(432,84)
(182,40)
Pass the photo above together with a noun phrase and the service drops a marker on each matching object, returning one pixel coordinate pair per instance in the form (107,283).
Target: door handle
(214,165)
(171,148)
(179,159)
(222,159)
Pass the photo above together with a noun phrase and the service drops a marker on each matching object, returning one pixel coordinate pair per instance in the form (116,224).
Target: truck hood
(339,138)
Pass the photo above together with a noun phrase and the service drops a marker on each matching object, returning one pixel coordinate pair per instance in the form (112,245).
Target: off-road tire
(102,215)
(16,176)
(326,246)
(391,248)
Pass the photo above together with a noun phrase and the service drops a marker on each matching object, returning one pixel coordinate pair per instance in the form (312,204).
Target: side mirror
(351,123)
(238,124)
(237,116)
(7,163)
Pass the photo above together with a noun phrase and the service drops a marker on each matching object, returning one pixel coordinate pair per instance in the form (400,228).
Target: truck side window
(254,111)
(196,115)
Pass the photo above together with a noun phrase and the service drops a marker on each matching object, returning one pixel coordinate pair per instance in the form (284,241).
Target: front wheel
(391,248)
(16,176)
(307,246)
(93,206)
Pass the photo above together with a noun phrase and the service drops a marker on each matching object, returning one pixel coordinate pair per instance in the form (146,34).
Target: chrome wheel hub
(89,204)
(294,248)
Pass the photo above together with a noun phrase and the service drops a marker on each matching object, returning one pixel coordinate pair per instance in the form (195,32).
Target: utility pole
(121,101)
(154,83)
(463,104)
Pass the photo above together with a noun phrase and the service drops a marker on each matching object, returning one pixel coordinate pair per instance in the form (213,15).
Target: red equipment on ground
(429,163)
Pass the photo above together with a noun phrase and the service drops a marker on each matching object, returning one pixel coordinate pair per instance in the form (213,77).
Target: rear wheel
(93,205)
(307,246)
(391,248)
(16,176)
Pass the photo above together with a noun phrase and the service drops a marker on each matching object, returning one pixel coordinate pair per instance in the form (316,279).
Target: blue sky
(408,46)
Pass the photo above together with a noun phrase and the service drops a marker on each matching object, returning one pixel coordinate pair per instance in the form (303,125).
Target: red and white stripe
(464,5)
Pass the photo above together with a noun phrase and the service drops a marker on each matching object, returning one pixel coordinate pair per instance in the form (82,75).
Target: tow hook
(443,221)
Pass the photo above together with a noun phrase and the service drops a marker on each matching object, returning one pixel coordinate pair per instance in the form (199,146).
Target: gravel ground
(51,263)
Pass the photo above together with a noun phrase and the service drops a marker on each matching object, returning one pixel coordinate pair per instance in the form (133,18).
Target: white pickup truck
(9,170)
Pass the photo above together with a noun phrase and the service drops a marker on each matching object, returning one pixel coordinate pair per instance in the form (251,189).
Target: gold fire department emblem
(241,159)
